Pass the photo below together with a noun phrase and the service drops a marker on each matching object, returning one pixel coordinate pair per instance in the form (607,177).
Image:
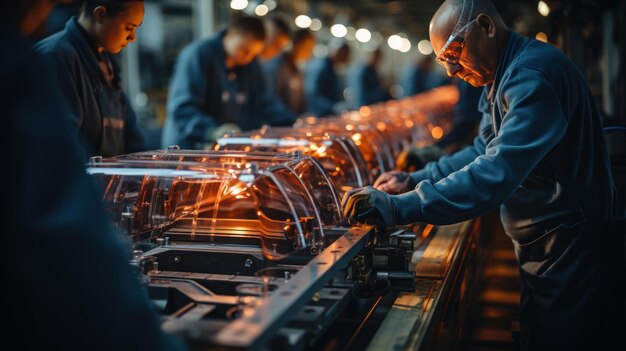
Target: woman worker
(88,75)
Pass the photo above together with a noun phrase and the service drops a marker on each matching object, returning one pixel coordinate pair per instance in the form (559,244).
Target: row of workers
(240,79)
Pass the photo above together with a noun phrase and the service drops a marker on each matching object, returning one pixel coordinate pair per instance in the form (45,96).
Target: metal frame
(260,322)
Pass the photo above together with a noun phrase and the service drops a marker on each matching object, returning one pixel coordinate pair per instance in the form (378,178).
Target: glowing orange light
(437,132)
(349,127)
(365,111)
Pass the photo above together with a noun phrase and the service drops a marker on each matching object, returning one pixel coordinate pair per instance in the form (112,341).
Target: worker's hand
(217,132)
(371,206)
(395,182)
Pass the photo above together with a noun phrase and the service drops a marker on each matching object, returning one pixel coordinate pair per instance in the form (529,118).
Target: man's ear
(486,24)
(98,13)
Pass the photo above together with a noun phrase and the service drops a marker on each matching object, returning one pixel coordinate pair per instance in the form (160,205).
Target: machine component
(339,155)
(265,204)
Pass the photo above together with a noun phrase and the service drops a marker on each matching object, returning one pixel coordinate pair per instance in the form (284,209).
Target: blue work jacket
(541,157)
(204,94)
(99,109)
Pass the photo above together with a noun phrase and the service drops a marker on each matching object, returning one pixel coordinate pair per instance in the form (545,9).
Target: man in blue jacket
(540,157)
(322,86)
(364,82)
(69,283)
(218,86)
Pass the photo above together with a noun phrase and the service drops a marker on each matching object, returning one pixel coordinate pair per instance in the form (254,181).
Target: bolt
(248,263)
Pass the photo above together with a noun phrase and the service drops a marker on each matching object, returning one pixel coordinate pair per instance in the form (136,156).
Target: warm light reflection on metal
(437,132)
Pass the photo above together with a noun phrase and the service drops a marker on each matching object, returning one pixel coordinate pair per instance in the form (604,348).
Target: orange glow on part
(349,127)
(541,36)
(356,137)
(437,132)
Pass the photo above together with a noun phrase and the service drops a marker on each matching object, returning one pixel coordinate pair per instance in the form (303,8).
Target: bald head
(453,14)
(479,33)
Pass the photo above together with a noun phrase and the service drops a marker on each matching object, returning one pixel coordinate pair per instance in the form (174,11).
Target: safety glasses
(450,54)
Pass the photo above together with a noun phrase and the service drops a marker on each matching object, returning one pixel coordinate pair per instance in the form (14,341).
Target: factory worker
(89,77)
(364,82)
(277,37)
(540,156)
(218,86)
(69,285)
(465,119)
(322,85)
(284,76)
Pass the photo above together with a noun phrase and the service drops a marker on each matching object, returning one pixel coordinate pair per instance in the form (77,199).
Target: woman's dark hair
(250,26)
(113,6)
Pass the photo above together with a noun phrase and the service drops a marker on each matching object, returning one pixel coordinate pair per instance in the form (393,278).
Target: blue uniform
(365,85)
(541,157)
(322,87)
(71,286)
(465,116)
(99,107)
(204,94)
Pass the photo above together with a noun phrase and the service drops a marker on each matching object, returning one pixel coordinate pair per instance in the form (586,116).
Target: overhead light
(424,47)
(338,30)
(541,36)
(316,25)
(406,45)
(543,8)
(303,21)
(363,35)
(261,10)
(238,4)
(395,42)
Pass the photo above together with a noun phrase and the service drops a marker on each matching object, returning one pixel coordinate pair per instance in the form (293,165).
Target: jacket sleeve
(534,124)
(435,171)
(188,93)
(134,140)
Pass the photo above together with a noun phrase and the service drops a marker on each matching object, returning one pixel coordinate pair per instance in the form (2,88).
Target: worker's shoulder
(58,43)
(545,60)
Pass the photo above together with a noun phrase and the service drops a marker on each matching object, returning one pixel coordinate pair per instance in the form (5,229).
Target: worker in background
(277,38)
(89,77)
(364,82)
(540,156)
(284,73)
(421,77)
(217,86)
(71,285)
(465,119)
(322,85)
